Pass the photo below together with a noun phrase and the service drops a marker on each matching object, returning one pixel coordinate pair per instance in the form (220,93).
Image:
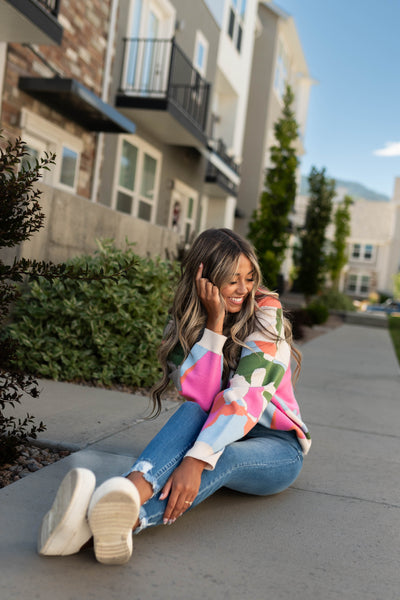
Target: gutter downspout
(104,96)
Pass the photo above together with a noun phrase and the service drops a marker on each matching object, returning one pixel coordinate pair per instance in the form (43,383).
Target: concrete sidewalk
(334,534)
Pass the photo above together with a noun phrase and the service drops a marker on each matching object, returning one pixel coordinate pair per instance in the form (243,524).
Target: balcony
(162,92)
(223,173)
(30,21)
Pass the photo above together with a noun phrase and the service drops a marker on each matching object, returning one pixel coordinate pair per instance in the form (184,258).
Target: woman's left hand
(182,488)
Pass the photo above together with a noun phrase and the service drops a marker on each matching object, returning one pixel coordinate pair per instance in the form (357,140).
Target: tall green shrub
(105,332)
(312,263)
(337,257)
(269,227)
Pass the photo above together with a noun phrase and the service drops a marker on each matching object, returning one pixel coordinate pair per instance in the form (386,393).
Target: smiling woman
(227,348)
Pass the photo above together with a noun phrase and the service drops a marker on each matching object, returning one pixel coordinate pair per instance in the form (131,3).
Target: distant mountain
(352,188)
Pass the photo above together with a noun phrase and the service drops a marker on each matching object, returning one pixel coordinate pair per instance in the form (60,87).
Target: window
(200,53)
(69,167)
(237,12)
(358,284)
(41,136)
(352,284)
(368,252)
(138,177)
(33,154)
(364,286)
(362,252)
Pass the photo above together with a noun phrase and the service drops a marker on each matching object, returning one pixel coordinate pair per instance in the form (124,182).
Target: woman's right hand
(210,298)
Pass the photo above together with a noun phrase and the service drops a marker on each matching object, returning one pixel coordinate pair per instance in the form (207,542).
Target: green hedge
(318,312)
(335,300)
(105,332)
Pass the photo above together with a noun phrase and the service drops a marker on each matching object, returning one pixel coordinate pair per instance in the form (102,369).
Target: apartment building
(373,247)
(180,74)
(144,103)
(278,59)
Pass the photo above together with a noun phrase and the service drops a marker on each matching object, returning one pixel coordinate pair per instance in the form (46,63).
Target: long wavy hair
(219,250)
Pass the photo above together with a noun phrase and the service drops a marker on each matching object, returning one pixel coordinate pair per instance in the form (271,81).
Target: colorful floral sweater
(259,391)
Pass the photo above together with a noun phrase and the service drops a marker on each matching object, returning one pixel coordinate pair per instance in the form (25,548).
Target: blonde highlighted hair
(219,251)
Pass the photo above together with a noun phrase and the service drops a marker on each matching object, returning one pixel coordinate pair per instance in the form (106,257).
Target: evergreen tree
(312,257)
(269,228)
(338,257)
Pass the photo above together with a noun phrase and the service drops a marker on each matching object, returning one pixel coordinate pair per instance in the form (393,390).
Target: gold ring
(187,502)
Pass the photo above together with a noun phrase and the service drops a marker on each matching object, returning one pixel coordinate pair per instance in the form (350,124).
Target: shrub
(318,312)
(299,319)
(20,217)
(334,300)
(104,332)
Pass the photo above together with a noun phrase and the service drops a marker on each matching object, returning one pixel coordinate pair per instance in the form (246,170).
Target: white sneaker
(113,511)
(64,528)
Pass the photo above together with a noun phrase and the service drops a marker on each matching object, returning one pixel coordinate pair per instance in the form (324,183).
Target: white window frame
(358,284)
(362,252)
(142,148)
(166,15)
(237,8)
(200,41)
(48,137)
(372,253)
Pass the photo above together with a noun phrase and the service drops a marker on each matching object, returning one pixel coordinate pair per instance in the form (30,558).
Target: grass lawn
(394,328)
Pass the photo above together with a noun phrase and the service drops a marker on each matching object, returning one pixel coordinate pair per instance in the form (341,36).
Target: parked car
(389,307)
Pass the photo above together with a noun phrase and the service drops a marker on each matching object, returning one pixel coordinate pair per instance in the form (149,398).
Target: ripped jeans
(264,462)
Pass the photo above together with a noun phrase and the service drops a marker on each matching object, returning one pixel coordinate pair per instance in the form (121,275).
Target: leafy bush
(106,332)
(20,217)
(299,319)
(318,312)
(334,300)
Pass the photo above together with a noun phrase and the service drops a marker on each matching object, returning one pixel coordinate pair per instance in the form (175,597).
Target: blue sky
(352,48)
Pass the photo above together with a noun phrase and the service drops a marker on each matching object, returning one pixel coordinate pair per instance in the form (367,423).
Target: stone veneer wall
(80,56)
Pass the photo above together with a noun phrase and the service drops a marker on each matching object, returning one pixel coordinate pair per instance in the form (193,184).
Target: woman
(227,348)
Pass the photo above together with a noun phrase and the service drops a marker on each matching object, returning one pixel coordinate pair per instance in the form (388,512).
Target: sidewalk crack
(346,497)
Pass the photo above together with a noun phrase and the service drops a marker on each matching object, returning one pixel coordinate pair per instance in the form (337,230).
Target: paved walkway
(334,535)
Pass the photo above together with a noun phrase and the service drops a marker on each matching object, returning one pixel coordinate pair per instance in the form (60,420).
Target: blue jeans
(264,462)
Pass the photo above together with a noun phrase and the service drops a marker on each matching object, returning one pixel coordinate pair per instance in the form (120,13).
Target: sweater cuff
(204,452)
(212,341)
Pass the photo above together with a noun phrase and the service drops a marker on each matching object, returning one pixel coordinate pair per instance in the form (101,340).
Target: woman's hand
(211,300)
(182,488)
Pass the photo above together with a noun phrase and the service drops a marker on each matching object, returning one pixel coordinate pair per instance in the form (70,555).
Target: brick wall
(80,56)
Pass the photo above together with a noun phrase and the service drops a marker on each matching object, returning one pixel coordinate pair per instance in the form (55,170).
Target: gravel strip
(30,459)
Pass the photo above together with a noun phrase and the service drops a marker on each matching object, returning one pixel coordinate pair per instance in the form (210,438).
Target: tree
(337,257)
(20,217)
(312,258)
(269,228)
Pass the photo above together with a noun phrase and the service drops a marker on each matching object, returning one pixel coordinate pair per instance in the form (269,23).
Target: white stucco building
(278,59)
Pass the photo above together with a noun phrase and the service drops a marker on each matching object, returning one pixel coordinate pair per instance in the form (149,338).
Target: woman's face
(235,292)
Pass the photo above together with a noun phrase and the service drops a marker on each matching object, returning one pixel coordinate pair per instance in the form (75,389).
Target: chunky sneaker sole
(113,511)
(64,528)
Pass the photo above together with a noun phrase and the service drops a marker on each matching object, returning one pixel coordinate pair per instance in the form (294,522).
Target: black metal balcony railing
(52,6)
(220,148)
(214,175)
(157,68)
